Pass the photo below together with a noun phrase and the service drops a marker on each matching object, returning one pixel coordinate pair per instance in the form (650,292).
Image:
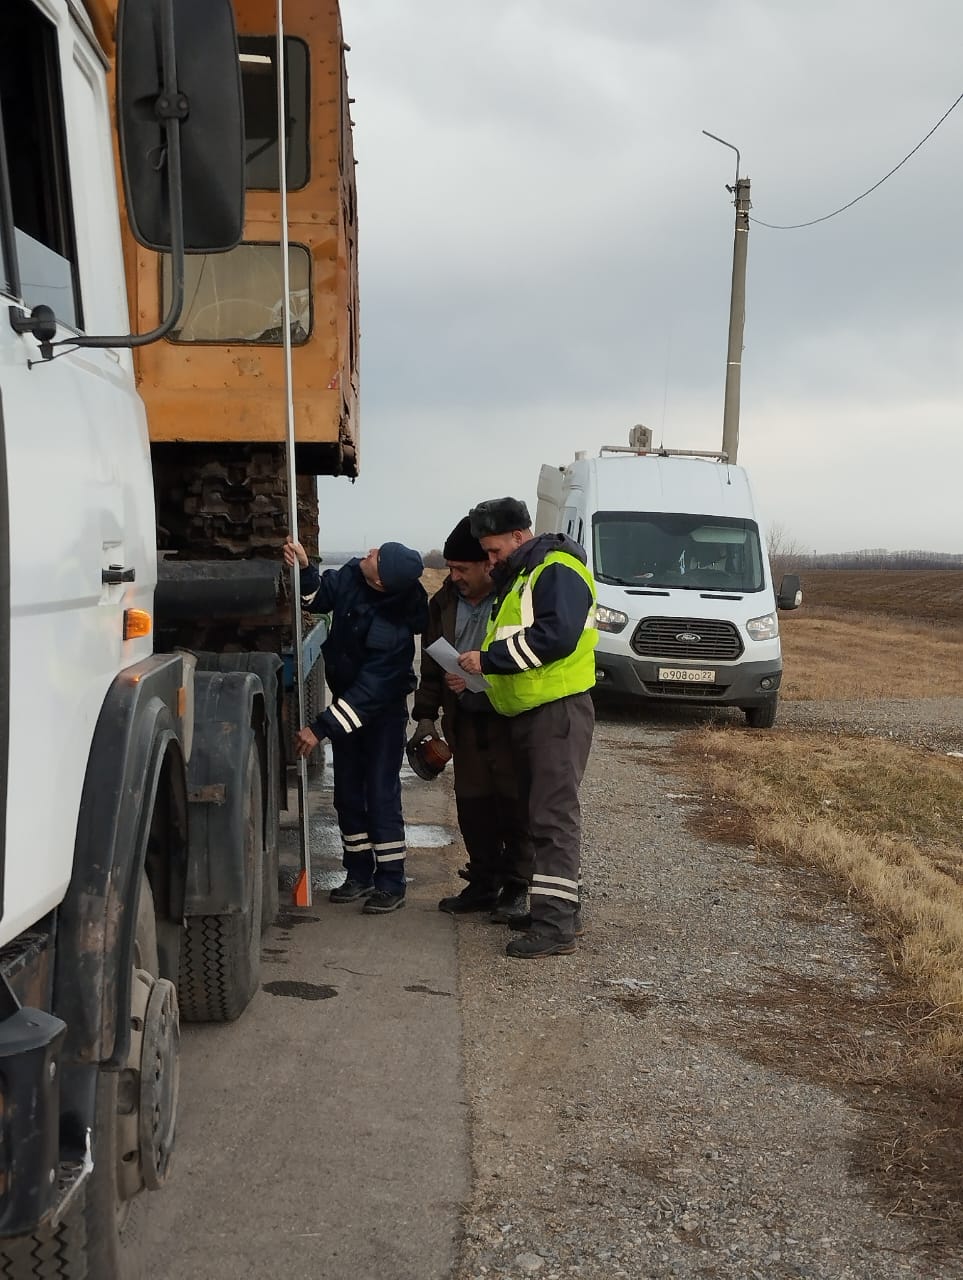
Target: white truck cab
(687,610)
(132,818)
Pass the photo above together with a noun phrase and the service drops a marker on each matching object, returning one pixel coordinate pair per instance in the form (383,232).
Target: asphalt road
(325,1133)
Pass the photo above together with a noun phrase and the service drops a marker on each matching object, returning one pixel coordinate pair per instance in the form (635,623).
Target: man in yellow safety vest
(538,658)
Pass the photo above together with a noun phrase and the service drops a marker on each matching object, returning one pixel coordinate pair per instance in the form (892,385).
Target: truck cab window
(237,296)
(36,177)
(259,82)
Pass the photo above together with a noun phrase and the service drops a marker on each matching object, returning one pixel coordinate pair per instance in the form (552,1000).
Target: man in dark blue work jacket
(378,606)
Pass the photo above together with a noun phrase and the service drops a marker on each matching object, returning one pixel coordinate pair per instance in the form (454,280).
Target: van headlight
(763,628)
(610,619)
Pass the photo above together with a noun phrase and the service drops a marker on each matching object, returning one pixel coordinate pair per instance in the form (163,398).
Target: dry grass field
(924,595)
(834,653)
(432,579)
(884,822)
(884,819)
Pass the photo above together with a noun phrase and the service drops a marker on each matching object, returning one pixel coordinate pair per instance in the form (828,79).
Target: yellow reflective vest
(575,673)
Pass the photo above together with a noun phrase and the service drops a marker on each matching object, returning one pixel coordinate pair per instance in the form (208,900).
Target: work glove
(424,729)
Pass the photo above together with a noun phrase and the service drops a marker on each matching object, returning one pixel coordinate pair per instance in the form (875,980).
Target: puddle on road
(425,836)
(428,991)
(300,990)
(287,918)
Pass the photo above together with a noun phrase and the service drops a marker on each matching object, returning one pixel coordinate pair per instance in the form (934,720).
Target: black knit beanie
(460,545)
(398,566)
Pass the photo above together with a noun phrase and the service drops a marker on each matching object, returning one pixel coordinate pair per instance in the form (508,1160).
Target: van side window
(42,244)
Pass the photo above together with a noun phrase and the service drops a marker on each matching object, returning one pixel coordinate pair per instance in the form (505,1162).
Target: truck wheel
(763,716)
(221,955)
(103,1236)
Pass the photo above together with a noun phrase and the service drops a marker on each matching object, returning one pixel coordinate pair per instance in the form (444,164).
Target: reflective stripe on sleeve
(342,720)
(350,712)
(511,644)
(526,649)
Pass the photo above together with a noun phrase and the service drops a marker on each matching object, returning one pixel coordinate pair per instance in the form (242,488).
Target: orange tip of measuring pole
(301,890)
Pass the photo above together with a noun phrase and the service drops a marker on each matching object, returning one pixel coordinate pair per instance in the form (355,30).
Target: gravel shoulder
(936,723)
(664,1102)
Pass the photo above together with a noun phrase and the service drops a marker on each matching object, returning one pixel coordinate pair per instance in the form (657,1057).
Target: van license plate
(700,674)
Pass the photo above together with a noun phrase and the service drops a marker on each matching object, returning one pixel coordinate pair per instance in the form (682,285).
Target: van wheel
(763,716)
(104,1234)
(220,963)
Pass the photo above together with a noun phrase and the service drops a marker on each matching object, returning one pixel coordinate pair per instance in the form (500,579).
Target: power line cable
(796,226)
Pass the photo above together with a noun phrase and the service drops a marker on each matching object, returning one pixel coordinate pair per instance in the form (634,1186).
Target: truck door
(78,489)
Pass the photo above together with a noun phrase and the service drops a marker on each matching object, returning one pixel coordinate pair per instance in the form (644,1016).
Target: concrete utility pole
(737,320)
(737,307)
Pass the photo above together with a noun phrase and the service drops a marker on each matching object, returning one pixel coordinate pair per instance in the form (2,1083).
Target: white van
(687,611)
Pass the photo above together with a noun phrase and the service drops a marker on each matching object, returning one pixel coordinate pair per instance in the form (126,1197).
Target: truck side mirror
(790,592)
(181,123)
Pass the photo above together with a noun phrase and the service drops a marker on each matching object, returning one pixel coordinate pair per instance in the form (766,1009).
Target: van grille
(718,641)
(684,689)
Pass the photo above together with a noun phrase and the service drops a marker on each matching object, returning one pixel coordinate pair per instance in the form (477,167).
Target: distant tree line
(788,555)
(880,558)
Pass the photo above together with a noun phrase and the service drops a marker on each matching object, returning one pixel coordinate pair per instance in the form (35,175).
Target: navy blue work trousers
(367,800)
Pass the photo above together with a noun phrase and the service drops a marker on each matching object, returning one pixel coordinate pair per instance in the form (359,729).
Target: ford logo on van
(688,637)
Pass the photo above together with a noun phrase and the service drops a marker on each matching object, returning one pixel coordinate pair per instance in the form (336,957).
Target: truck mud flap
(228,706)
(269,669)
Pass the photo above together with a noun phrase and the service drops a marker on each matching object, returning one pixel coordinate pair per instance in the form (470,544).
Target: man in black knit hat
(491,813)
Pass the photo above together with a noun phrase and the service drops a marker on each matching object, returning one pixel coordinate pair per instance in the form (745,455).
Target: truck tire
(763,716)
(220,963)
(102,1236)
(53,1255)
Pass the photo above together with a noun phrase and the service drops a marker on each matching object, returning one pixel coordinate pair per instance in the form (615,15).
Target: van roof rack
(717,454)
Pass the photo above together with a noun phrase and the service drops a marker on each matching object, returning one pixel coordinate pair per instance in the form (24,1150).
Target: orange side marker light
(137,622)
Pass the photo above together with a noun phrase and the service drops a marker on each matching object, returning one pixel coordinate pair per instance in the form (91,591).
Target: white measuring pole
(291,472)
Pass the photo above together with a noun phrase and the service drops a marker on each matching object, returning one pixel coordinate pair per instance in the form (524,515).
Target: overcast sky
(546,253)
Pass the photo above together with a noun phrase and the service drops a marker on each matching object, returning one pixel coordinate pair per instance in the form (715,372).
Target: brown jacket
(433,695)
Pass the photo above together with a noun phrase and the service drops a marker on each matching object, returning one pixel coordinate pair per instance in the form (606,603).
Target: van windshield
(673,549)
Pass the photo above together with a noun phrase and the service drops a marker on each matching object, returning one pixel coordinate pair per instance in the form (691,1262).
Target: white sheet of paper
(446,655)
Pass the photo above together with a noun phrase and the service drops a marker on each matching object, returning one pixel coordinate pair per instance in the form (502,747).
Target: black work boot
(512,904)
(350,891)
(381,902)
(472,898)
(525,922)
(538,946)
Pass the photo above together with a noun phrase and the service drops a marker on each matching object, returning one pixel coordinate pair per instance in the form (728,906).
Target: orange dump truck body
(219,379)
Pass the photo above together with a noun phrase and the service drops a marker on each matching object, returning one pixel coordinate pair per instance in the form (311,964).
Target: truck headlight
(610,619)
(764,628)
